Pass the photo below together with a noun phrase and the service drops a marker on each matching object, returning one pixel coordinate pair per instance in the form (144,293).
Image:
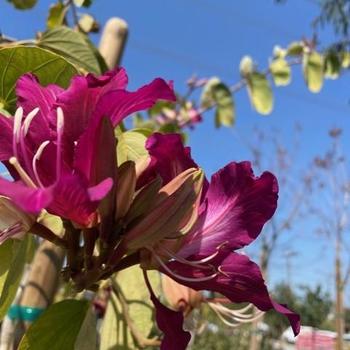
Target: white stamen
(36,157)
(233,321)
(21,172)
(60,125)
(17,124)
(196,263)
(60,118)
(28,120)
(188,279)
(11,231)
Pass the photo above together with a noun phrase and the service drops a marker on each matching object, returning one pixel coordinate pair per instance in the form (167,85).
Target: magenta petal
(6,135)
(170,322)
(95,154)
(118,104)
(169,158)
(30,95)
(80,100)
(111,80)
(77,104)
(73,200)
(238,278)
(99,191)
(31,200)
(238,204)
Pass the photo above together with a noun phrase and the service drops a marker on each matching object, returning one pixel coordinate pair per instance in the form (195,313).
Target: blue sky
(174,39)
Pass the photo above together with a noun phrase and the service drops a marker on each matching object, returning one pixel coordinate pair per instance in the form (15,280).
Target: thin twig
(139,338)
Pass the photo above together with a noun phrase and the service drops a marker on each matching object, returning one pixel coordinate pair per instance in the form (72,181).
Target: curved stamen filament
(186,279)
(28,120)
(17,129)
(36,157)
(196,263)
(235,313)
(233,321)
(60,126)
(21,172)
(10,231)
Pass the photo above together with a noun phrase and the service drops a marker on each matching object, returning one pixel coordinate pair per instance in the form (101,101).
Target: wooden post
(339,303)
(113,41)
(43,279)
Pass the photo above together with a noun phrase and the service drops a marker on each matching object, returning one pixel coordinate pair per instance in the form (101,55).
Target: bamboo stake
(113,41)
(43,279)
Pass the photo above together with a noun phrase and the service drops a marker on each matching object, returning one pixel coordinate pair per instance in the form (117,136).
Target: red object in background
(316,340)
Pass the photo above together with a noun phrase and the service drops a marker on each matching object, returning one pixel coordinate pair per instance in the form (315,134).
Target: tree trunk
(339,304)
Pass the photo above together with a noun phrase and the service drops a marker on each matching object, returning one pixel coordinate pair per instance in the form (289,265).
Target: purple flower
(232,213)
(52,147)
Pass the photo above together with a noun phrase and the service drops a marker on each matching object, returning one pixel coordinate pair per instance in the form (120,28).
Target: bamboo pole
(43,279)
(113,41)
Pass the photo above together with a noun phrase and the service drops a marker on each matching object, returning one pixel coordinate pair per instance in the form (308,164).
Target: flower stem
(45,233)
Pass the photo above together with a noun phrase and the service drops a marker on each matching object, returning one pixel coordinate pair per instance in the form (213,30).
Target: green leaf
(281,72)
(345,59)
(74,46)
(215,93)
(47,66)
(88,24)
(206,99)
(57,328)
(80,3)
(13,256)
(114,331)
(260,93)
(23,4)
(225,110)
(87,337)
(332,65)
(131,144)
(246,66)
(296,48)
(278,52)
(57,15)
(313,71)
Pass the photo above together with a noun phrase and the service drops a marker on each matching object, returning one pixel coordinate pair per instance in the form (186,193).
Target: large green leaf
(23,4)
(47,66)
(281,72)
(57,328)
(115,334)
(260,93)
(13,256)
(74,46)
(131,144)
(313,71)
